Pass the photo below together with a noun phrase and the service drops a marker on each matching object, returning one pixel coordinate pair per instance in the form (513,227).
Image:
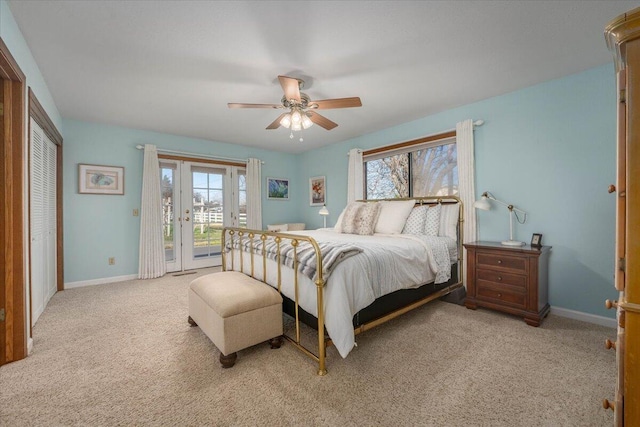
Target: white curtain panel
(355,178)
(466,183)
(152,260)
(254,194)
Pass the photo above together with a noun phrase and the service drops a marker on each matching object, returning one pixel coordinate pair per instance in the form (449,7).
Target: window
(412,170)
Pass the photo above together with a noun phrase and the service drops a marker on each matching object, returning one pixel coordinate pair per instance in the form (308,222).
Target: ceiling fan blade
(326,104)
(276,123)
(321,120)
(239,105)
(291,87)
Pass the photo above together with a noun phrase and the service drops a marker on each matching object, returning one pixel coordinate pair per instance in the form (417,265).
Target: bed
(343,283)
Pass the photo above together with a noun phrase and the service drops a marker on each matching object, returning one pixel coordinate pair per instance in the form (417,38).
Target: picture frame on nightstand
(536,240)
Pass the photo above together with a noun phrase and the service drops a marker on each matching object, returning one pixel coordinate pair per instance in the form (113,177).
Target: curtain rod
(478,122)
(196,155)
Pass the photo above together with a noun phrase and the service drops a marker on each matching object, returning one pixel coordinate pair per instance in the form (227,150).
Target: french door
(199,199)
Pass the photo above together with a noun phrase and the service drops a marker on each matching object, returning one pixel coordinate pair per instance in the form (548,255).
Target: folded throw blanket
(332,254)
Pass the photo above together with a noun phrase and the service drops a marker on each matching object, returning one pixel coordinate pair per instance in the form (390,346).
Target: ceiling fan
(301,108)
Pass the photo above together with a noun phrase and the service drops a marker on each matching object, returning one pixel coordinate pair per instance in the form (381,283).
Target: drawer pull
(608,405)
(499,278)
(608,344)
(612,188)
(611,304)
(499,261)
(499,295)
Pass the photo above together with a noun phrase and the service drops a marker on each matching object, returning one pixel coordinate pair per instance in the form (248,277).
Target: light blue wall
(97,227)
(548,149)
(12,37)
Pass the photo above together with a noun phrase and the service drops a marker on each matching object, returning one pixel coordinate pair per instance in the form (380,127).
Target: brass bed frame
(231,234)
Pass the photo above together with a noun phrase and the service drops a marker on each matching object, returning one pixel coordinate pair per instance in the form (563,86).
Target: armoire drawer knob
(608,344)
(611,304)
(499,261)
(612,188)
(499,278)
(608,405)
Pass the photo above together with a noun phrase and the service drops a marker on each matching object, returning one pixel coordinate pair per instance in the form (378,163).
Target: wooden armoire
(623,39)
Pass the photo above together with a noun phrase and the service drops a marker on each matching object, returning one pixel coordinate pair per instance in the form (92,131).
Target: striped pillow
(449,221)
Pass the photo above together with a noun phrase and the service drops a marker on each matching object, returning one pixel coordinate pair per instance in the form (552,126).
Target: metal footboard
(234,240)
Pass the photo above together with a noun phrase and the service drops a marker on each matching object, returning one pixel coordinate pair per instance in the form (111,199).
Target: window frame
(407,147)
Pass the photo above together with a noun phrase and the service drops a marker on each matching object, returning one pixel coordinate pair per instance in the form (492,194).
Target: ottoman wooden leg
(192,322)
(229,360)
(275,342)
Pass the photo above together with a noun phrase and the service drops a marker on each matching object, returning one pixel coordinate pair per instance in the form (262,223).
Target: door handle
(186,219)
(187,211)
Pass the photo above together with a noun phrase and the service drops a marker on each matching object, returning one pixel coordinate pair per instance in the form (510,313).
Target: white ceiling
(172,66)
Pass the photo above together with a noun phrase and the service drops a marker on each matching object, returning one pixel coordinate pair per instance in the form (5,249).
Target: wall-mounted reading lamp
(485,205)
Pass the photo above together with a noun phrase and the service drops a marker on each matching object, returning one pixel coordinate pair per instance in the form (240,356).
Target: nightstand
(509,279)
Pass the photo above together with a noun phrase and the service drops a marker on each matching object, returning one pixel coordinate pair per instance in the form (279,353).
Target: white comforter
(386,264)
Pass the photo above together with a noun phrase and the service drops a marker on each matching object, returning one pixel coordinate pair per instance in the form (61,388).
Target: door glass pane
(435,171)
(242,199)
(208,212)
(167,181)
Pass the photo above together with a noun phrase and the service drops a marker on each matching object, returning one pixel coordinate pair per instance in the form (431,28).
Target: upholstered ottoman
(235,311)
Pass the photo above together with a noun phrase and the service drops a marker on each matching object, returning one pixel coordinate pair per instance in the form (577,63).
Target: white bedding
(387,263)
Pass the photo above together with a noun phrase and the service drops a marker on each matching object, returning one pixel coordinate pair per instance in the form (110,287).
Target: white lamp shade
(296,117)
(482,204)
(286,121)
(296,126)
(324,211)
(306,122)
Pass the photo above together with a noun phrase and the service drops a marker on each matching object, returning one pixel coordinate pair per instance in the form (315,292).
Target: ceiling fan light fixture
(306,122)
(296,117)
(286,121)
(296,126)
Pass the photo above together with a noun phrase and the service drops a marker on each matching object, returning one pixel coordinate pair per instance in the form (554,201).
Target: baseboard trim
(585,317)
(102,281)
(29,346)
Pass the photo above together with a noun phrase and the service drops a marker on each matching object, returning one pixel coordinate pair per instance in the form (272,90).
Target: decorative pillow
(432,223)
(278,227)
(296,226)
(393,216)
(449,221)
(338,227)
(415,221)
(360,218)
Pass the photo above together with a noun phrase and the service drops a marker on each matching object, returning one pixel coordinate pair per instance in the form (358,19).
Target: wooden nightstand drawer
(500,278)
(502,261)
(502,293)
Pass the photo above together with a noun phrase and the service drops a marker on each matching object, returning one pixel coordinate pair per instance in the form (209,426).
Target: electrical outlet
(112,261)
(135,212)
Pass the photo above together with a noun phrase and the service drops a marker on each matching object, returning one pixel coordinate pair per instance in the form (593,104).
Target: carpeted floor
(123,354)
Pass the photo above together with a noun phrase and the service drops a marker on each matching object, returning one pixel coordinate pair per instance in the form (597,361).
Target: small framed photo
(277,189)
(536,240)
(98,179)
(317,191)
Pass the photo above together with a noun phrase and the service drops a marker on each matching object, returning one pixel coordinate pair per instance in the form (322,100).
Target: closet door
(42,219)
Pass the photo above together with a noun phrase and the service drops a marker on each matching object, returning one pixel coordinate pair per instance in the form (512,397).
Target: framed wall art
(277,189)
(99,179)
(317,191)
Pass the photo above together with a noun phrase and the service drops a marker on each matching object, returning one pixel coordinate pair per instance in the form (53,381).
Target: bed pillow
(449,221)
(360,218)
(296,226)
(338,227)
(393,216)
(432,223)
(415,221)
(278,227)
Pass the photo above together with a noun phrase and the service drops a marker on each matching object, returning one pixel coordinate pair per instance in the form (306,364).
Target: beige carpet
(123,354)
